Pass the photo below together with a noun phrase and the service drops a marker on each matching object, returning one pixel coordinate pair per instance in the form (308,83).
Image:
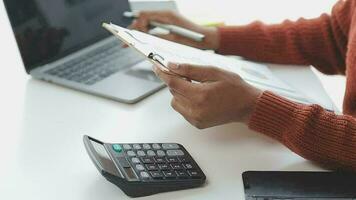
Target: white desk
(43,157)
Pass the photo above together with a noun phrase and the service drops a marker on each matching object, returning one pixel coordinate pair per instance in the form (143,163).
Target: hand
(211,40)
(220,96)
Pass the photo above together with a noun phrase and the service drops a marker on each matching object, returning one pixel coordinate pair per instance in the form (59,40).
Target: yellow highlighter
(213,24)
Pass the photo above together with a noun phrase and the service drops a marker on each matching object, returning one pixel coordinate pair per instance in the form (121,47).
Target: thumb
(196,72)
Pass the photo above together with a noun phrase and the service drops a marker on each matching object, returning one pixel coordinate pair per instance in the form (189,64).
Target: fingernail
(173,66)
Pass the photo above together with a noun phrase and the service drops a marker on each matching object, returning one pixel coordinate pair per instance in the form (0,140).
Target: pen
(172,28)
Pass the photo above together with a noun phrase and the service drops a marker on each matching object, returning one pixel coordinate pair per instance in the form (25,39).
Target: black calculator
(145,169)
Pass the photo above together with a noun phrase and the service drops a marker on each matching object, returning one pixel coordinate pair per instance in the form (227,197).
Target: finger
(180,97)
(180,107)
(163,16)
(184,110)
(169,17)
(196,72)
(181,40)
(144,17)
(142,24)
(177,83)
(133,25)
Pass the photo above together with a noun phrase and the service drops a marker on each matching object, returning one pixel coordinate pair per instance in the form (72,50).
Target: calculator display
(104,158)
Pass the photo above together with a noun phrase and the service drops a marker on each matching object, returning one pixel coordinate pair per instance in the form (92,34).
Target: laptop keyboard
(96,65)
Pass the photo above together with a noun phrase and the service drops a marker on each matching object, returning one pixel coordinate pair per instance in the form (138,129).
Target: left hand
(211,39)
(220,96)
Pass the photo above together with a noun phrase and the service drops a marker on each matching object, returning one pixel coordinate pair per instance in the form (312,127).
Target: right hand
(211,40)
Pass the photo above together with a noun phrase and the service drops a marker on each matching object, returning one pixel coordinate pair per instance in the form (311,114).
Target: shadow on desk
(55,119)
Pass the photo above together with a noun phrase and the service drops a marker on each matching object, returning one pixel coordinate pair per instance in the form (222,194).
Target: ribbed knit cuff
(273,115)
(236,40)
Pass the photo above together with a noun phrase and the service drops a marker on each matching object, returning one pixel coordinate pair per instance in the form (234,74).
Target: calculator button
(175,153)
(131,153)
(136,146)
(183,159)
(144,175)
(123,162)
(182,174)
(156,174)
(141,153)
(151,167)
(170,146)
(147,160)
(193,173)
(117,148)
(135,160)
(163,166)
(188,166)
(156,146)
(140,167)
(176,166)
(160,153)
(127,147)
(151,153)
(160,160)
(172,159)
(146,146)
(169,174)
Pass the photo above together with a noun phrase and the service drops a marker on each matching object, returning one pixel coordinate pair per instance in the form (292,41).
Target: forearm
(309,131)
(305,42)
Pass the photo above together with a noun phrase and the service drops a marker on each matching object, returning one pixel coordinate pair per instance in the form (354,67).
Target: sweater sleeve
(310,131)
(319,42)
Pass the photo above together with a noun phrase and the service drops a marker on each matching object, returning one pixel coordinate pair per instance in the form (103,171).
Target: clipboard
(129,39)
(160,52)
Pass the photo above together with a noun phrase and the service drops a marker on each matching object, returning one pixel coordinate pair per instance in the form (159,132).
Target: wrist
(211,38)
(251,103)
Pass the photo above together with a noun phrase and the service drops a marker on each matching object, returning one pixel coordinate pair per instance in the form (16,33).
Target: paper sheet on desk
(256,74)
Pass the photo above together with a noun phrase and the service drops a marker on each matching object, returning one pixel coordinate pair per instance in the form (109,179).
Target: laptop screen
(48,30)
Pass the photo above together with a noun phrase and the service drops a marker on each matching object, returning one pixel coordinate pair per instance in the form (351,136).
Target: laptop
(302,185)
(63,42)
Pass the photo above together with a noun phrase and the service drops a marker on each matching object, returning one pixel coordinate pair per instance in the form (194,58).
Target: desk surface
(41,150)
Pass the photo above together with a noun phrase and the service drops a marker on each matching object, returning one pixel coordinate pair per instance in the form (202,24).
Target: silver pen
(198,37)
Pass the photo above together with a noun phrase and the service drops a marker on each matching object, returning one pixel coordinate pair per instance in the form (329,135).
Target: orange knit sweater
(329,44)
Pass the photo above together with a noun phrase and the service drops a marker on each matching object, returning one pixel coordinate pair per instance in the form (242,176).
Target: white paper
(256,74)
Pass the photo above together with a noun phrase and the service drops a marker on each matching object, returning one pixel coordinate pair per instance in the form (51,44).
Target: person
(328,43)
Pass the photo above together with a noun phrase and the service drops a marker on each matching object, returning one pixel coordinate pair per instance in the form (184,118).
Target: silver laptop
(61,41)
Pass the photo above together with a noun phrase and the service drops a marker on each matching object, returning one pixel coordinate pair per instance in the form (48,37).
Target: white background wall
(230,11)
(244,11)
